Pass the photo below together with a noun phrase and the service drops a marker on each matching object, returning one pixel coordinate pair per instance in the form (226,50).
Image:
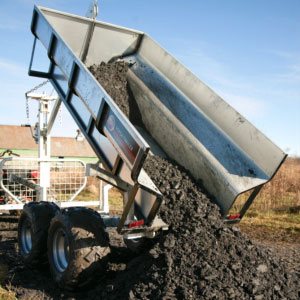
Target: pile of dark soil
(200,257)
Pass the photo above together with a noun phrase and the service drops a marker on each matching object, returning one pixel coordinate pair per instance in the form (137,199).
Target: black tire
(78,247)
(138,245)
(33,231)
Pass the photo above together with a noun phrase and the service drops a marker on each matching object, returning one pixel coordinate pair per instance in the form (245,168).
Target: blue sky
(247,51)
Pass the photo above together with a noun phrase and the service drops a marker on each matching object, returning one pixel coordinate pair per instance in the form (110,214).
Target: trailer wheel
(78,247)
(138,245)
(33,231)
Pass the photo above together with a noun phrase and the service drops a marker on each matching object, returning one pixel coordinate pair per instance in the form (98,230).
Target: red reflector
(233,217)
(136,223)
(1,199)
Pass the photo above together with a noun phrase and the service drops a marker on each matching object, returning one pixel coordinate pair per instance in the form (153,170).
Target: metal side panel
(107,40)
(243,134)
(78,88)
(198,129)
(74,31)
(110,41)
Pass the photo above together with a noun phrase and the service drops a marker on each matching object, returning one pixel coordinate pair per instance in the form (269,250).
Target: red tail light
(136,223)
(233,217)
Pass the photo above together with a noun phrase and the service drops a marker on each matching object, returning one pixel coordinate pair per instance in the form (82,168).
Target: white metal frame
(43,163)
(60,184)
(102,203)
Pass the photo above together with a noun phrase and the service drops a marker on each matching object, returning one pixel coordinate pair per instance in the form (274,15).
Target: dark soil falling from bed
(200,257)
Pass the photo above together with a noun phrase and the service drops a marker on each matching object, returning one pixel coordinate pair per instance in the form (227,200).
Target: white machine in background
(23,180)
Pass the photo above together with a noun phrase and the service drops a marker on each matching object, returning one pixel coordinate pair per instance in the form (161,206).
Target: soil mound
(200,257)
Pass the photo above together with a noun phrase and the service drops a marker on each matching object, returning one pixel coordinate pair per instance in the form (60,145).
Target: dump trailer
(183,118)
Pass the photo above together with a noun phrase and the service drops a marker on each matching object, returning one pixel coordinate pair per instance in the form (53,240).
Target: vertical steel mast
(44,140)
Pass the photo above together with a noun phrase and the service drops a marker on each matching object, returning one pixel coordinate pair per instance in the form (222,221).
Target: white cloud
(290,61)
(253,96)
(11,67)
(12,23)
(5,26)
(241,93)
(291,75)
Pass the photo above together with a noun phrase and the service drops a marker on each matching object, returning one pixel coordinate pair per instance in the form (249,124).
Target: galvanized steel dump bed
(191,123)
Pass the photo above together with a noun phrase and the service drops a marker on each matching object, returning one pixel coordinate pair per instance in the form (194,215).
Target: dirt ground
(37,284)
(282,243)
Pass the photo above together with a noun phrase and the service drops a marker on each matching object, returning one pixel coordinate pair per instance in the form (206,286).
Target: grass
(5,294)
(91,192)
(277,207)
(272,227)
(281,194)
(274,221)
(86,196)
(115,200)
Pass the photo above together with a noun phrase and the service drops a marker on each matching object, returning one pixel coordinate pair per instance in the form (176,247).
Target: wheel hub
(26,237)
(60,250)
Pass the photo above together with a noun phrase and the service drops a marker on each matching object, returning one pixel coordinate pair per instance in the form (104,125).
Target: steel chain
(27,101)
(37,87)
(60,116)
(27,110)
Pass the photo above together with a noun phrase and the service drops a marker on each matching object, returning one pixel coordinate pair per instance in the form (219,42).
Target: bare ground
(37,284)
(284,244)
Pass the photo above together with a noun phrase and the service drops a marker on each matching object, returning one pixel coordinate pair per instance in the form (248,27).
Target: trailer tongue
(183,118)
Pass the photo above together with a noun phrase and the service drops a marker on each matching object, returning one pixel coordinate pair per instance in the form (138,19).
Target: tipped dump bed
(190,122)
